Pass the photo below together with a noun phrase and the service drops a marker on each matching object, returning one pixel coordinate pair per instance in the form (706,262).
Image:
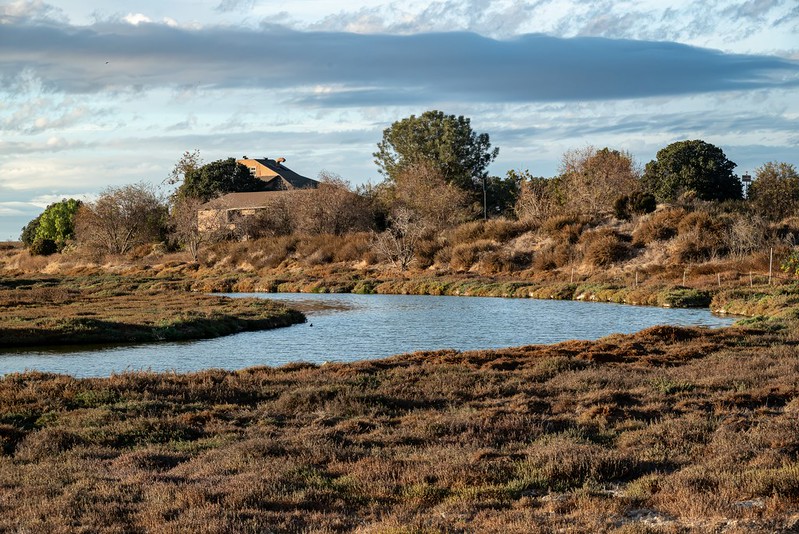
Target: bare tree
(278,216)
(122,218)
(538,197)
(332,208)
(422,189)
(746,234)
(594,179)
(184,227)
(398,243)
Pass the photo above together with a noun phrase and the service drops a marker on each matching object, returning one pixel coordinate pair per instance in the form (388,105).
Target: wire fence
(698,275)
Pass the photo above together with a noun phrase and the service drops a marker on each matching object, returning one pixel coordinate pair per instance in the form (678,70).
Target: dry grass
(112,309)
(658,226)
(695,428)
(604,247)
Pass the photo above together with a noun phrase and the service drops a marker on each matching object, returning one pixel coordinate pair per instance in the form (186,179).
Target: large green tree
(28,234)
(692,166)
(55,225)
(58,221)
(775,192)
(217,178)
(445,142)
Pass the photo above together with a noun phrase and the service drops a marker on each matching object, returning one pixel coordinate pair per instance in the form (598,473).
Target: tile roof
(292,179)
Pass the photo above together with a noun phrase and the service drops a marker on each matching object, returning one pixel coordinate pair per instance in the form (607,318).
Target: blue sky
(112,93)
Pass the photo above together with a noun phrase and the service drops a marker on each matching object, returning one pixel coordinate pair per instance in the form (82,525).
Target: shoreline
(181,321)
(103,309)
(694,427)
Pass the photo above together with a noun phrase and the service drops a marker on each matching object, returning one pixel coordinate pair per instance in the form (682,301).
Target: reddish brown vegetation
(688,429)
(50,311)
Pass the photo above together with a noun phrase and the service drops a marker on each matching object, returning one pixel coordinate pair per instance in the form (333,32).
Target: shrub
(565,228)
(553,256)
(317,249)
(637,203)
(352,247)
(43,247)
(659,226)
(641,203)
(695,222)
(686,298)
(500,230)
(426,251)
(746,234)
(467,254)
(621,208)
(791,264)
(505,262)
(603,247)
(701,237)
(787,230)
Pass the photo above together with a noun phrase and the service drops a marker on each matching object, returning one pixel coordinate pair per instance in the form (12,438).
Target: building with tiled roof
(228,211)
(277,177)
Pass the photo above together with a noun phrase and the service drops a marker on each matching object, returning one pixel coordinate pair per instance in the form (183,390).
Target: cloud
(188,124)
(226,6)
(374,69)
(15,208)
(752,9)
(136,18)
(710,23)
(51,145)
(30,11)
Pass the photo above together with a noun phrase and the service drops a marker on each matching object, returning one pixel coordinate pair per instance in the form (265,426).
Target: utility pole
(485,201)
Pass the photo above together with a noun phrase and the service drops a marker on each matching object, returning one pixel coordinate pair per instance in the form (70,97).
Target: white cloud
(136,18)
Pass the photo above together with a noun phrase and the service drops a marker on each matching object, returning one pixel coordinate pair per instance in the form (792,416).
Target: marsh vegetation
(670,429)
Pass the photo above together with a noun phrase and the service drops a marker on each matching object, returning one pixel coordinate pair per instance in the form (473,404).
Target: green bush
(637,203)
(43,247)
(686,298)
(791,263)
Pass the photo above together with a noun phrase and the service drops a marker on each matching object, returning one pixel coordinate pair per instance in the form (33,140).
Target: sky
(103,94)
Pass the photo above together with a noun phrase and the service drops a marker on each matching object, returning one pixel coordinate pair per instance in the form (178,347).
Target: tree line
(435,176)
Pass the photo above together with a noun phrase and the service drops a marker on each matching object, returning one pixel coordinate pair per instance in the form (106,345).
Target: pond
(348,327)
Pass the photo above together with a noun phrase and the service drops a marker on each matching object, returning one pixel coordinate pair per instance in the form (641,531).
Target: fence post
(770,264)
(751,283)
(684,274)
(718,275)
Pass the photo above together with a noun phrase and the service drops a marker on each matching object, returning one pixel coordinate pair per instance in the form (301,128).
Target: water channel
(347,327)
